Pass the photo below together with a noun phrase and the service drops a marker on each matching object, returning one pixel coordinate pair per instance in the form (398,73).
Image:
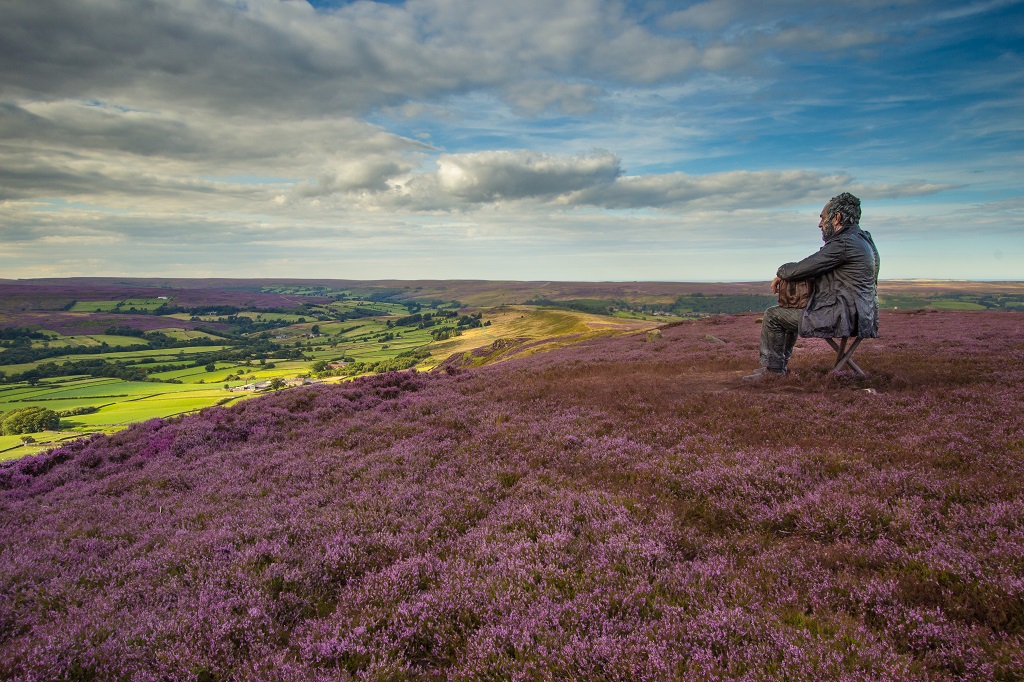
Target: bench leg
(844,356)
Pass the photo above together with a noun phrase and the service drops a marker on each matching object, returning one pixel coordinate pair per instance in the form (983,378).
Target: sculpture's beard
(828,231)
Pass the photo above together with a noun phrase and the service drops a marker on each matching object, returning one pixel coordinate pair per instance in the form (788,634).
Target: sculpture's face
(827,227)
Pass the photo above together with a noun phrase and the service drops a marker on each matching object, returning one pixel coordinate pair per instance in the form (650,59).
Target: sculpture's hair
(848,208)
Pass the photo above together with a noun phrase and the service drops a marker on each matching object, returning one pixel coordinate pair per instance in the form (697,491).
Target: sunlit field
(183,379)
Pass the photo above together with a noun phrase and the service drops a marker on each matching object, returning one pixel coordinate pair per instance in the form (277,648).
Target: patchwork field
(100,383)
(159,348)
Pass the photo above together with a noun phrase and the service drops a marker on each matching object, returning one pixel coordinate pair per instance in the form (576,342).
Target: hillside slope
(621,509)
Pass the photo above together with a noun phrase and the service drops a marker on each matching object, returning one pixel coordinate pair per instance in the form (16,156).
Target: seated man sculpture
(844,297)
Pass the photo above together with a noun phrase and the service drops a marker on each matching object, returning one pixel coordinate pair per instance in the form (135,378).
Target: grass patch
(122,305)
(953,304)
(275,317)
(184,334)
(160,405)
(12,447)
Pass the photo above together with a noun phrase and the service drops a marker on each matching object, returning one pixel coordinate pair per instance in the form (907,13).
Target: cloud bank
(383,124)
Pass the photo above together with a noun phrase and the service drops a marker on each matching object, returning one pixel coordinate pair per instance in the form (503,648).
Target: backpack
(795,293)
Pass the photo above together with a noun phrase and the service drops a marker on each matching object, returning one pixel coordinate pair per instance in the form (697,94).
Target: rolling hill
(622,508)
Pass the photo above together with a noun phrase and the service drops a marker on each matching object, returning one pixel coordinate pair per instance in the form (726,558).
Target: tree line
(28,420)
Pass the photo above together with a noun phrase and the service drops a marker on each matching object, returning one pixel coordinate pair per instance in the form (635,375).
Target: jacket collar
(852,229)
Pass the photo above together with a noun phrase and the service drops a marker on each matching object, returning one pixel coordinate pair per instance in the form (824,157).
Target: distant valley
(93,355)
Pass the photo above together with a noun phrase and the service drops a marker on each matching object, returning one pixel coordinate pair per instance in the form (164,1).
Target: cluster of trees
(385,295)
(220,310)
(75,411)
(464,322)
(25,354)
(685,304)
(28,420)
(583,305)
(242,324)
(401,361)
(722,303)
(91,367)
(20,350)
(356,313)
(423,320)
(427,320)
(445,333)
(1002,301)
(18,336)
(471,321)
(170,309)
(990,301)
(322,369)
(161,340)
(409,320)
(139,370)
(229,314)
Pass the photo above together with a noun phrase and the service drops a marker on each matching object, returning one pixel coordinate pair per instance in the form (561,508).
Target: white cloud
(369,174)
(73,150)
(474,181)
(735,190)
(490,176)
(199,122)
(535,97)
(468,181)
(273,56)
(713,15)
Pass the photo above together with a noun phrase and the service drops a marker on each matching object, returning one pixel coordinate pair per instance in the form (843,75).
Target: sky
(591,140)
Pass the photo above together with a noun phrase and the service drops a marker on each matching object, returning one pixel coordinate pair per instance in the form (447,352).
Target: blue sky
(581,140)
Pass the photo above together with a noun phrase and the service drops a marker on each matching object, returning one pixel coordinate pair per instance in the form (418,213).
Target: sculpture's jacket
(845,298)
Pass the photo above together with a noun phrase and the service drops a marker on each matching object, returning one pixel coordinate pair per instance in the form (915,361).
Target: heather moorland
(622,509)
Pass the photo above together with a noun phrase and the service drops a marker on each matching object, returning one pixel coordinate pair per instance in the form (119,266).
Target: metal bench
(844,355)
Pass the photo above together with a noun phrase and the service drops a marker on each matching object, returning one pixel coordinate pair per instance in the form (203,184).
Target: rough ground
(623,509)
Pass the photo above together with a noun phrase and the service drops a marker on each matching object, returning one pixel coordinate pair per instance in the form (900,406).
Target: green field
(305,291)
(80,393)
(52,390)
(254,315)
(185,334)
(157,355)
(119,404)
(123,305)
(11,447)
(633,315)
(151,406)
(86,341)
(114,403)
(954,304)
(95,306)
(382,308)
(286,317)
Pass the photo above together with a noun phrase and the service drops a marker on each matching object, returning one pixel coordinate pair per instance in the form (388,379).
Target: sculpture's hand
(775,285)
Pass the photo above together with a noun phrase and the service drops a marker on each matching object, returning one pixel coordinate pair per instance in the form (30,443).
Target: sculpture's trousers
(778,336)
